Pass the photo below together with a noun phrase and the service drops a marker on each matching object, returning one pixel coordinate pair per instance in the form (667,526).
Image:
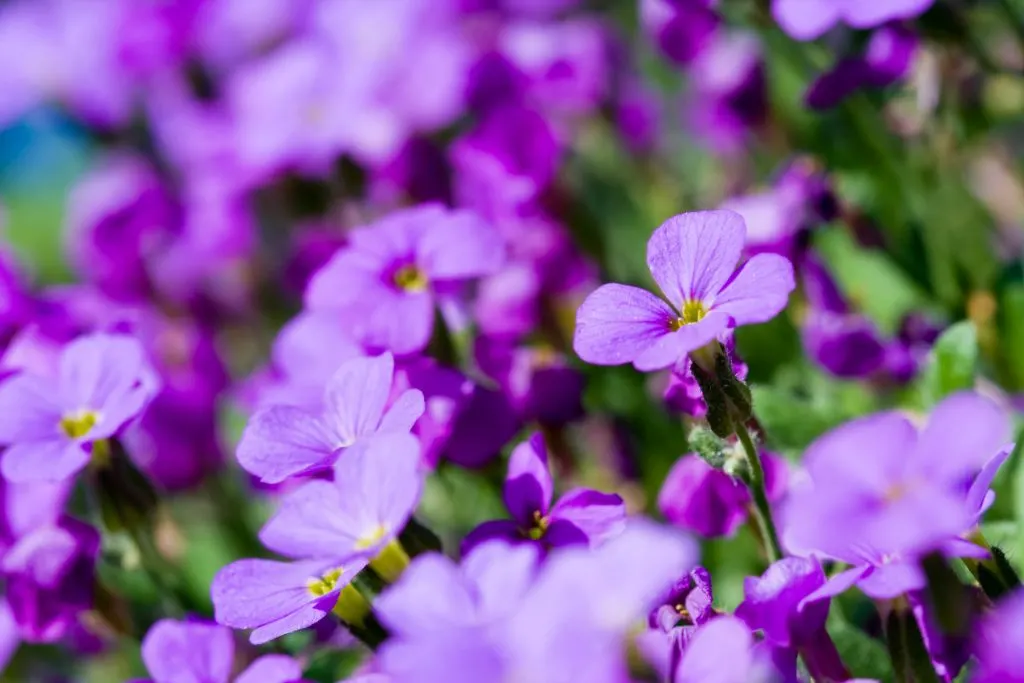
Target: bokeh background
(199,159)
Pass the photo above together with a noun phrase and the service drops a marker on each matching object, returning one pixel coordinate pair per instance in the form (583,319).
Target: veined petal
(307,524)
(403,413)
(281,441)
(670,349)
(250,593)
(692,255)
(356,394)
(759,292)
(618,323)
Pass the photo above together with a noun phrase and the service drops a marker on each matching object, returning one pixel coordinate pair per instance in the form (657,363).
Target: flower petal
(308,524)
(29,409)
(271,669)
(460,245)
(431,596)
(618,323)
(403,413)
(892,580)
(691,256)
(356,395)
(839,583)
(304,617)
(188,652)
(963,432)
(250,593)
(281,441)
(504,529)
(528,484)
(598,515)
(54,460)
(670,349)
(759,292)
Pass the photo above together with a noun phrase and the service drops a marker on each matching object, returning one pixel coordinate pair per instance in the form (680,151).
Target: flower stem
(756,484)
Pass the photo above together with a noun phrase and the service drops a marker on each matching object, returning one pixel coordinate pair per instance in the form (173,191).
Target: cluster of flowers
(443,330)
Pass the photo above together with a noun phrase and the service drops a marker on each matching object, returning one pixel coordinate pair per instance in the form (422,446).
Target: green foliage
(952,364)
(864,656)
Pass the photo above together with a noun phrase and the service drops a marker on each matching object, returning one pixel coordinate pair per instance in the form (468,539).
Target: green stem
(756,484)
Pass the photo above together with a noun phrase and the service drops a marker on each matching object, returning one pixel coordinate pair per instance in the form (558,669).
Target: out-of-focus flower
(281,441)
(180,651)
(693,259)
(887,59)
(681,29)
(729,95)
(387,281)
(580,517)
(539,381)
(723,651)
(999,645)
(376,487)
(50,424)
(700,498)
(808,19)
(881,492)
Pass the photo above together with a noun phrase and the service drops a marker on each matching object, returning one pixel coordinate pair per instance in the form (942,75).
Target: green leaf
(863,655)
(910,658)
(952,364)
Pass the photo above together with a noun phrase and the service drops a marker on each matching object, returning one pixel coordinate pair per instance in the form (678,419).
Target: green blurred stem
(756,483)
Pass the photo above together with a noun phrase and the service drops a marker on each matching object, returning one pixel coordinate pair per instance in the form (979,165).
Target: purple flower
(808,19)
(541,384)
(51,423)
(680,28)
(888,58)
(881,492)
(683,393)
(377,485)
(282,441)
(999,645)
(723,651)
(688,604)
(693,259)
(700,498)
(275,598)
(198,652)
(581,516)
(729,91)
(387,281)
(49,575)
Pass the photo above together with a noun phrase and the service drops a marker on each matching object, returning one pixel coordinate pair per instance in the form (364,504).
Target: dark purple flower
(687,605)
(693,259)
(581,516)
(887,59)
(538,380)
(681,29)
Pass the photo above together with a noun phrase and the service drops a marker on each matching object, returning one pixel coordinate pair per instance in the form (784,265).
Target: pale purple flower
(808,19)
(999,644)
(693,258)
(377,485)
(387,282)
(723,651)
(580,517)
(200,652)
(882,492)
(275,598)
(281,441)
(50,423)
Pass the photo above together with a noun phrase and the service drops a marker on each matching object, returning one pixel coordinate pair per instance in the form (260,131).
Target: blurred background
(184,166)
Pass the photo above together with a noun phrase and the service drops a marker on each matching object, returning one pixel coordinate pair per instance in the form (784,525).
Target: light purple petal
(356,395)
(670,349)
(457,655)
(978,496)
(30,409)
(960,547)
(759,292)
(349,277)
(308,524)
(502,574)
(692,255)
(840,583)
(867,454)
(431,595)
(271,669)
(403,413)
(528,484)
(618,323)
(460,246)
(54,460)
(963,432)
(868,14)
(281,441)
(250,593)
(806,19)
(720,652)
(600,516)
(188,652)
(892,580)
(304,617)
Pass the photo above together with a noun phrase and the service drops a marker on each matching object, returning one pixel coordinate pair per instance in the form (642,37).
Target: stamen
(410,278)
(321,586)
(78,424)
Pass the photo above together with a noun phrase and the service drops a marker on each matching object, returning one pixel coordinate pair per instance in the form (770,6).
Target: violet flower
(808,19)
(51,423)
(886,60)
(283,441)
(723,651)
(693,258)
(390,277)
(881,493)
(377,485)
(687,604)
(580,517)
(681,29)
(999,643)
(275,598)
(195,651)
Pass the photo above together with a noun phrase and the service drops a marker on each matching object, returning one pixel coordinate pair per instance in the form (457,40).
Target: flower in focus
(281,441)
(580,517)
(693,259)
(376,487)
(808,19)
(180,651)
(50,424)
(881,492)
(387,281)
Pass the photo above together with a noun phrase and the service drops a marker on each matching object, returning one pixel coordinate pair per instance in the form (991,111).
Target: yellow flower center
(539,528)
(77,424)
(410,278)
(325,584)
(693,311)
(372,538)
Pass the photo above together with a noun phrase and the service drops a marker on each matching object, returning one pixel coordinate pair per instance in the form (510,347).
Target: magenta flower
(693,259)
(282,441)
(50,423)
(376,487)
(580,517)
(199,652)
(387,281)
(275,598)
(808,19)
